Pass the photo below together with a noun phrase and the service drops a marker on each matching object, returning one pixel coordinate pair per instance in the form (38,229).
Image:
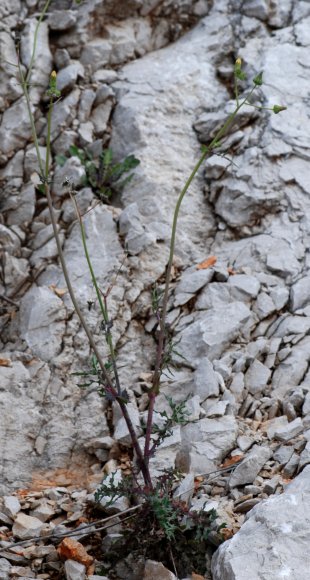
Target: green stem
(31,118)
(103,308)
(162,322)
(142,464)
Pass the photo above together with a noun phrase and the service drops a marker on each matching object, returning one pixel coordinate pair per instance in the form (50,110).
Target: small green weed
(102,174)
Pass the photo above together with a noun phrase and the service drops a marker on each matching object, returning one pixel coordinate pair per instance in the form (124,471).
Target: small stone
(271,485)
(264,306)
(304,457)
(289,410)
(67,76)
(11,505)
(96,53)
(252,489)
(249,468)
(247,505)
(257,377)
(71,549)
(283,454)
(157,571)
(217,409)
(61,20)
(205,380)
(204,504)
(43,511)
(121,433)
(5,568)
(306,405)
(185,490)
(276,424)
(105,76)
(299,295)
(26,526)
(291,466)
(74,570)
(192,281)
(22,572)
(279,297)
(245,442)
(61,58)
(244,287)
(100,117)
(290,430)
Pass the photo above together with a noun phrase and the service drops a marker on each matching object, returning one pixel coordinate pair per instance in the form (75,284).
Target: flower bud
(278,108)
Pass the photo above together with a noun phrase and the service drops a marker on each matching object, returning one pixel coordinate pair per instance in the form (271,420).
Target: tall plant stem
(103,307)
(142,464)
(44,171)
(162,322)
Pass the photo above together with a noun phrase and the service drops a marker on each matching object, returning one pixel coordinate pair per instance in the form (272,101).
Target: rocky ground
(155,79)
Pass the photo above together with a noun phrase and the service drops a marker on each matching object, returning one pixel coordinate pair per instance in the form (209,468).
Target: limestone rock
(74,570)
(26,526)
(42,67)
(15,128)
(266,544)
(157,571)
(212,332)
(206,443)
(257,377)
(248,469)
(42,322)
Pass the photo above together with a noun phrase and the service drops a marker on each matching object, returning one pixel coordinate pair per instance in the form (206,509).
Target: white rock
(121,433)
(26,527)
(11,505)
(251,465)
(244,287)
(15,128)
(257,377)
(74,570)
(212,332)
(42,66)
(266,545)
(67,76)
(299,294)
(206,443)
(290,430)
(206,380)
(42,322)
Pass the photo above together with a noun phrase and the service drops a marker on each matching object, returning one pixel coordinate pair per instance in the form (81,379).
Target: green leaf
(240,74)
(60,160)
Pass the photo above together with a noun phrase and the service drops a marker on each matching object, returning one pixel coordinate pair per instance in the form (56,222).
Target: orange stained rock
(71,549)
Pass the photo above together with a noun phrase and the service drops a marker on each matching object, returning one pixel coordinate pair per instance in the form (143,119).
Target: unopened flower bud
(278,108)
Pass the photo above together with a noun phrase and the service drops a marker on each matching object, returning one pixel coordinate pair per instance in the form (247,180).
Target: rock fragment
(249,468)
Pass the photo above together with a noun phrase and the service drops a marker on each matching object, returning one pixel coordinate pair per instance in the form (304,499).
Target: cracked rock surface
(155,79)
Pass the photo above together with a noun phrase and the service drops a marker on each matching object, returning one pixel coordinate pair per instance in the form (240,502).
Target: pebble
(74,570)
(251,465)
(25,526)
(290,430)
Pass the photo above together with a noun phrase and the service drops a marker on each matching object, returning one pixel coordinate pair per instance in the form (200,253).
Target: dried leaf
(226,533)
(232,460)
(207,263)
(5,362)
(60,292)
